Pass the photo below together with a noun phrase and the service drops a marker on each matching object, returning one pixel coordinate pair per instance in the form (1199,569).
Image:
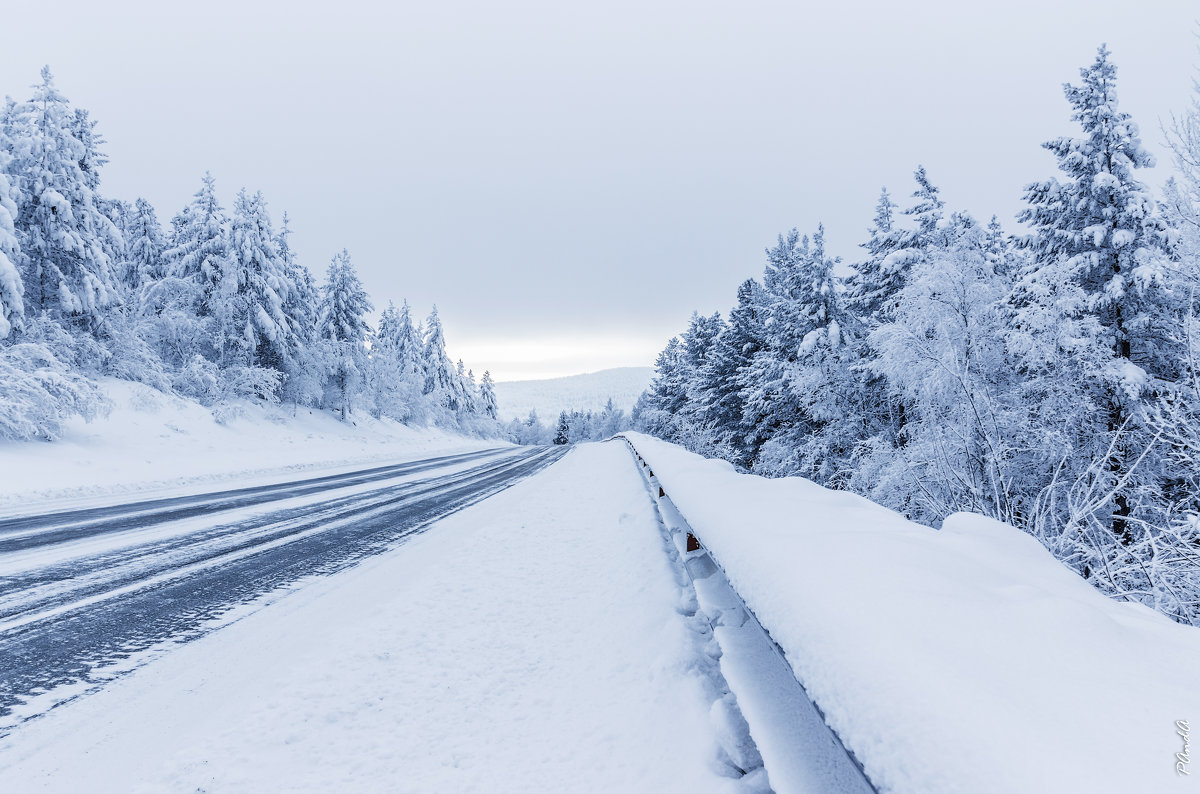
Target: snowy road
(534,641)
(84,594)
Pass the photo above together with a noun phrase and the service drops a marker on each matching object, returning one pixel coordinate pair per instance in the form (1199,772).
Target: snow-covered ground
(964,659)
(153,442)
(529,643)
(587,392)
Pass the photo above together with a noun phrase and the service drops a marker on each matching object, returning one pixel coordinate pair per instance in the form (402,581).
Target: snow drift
(952,660)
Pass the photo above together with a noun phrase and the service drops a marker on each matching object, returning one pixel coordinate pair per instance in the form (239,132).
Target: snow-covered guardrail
(800,752)
(951,660)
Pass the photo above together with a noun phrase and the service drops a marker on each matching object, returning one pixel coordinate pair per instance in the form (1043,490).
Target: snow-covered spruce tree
(612,420)
(12,290)
(487,396)
(199,247)
(892,250)
(343,325)
(254,333)
(144,245)
(408,344)
(396,375)
(656,407)
(808,338)
(1165,551)
(720,392)
(66,268)
(303,384)
(383,370)
(464,382)
(1093,315)
(134,330)
(872,296)
(563,435)
(761,383)
(529,431)
(878,278)
(442,385)
(998,249)
(691,421)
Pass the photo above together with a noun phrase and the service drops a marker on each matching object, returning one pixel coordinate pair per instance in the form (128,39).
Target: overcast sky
(568,183)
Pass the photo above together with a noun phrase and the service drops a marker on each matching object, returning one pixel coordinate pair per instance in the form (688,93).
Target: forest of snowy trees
(1046,377)
(214,308)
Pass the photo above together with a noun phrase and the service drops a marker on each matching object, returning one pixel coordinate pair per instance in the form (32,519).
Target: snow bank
(151,441)
(959,660)
(529,643)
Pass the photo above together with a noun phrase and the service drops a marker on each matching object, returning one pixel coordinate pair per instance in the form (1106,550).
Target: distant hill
(575,392)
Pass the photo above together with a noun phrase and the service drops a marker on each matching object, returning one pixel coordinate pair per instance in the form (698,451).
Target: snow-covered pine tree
(487,395)
(656,407)
(68,271)
(762,382)
(409,347)
(464,382)
(893,250)
(343,324)
(691,421)
(1101,256)
(612,420)
(997,249)
(720,391)
(199,250)
(808,339)
(441,378)
(302,362)
(563,435)
(870,290)
(12,290)
(389,327)
(176,293)
(255,332)
(927,211)
(144,244)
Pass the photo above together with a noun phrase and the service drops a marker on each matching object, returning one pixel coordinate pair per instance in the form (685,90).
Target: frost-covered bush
(259,383)
(40,393)
(79,350)
(199,379)
(129,356)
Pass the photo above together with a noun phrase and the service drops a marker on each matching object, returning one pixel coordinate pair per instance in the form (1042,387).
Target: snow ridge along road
(84,593)
(802,754)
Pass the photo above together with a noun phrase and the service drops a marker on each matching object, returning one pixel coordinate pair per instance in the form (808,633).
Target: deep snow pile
(153,441)
(952,660)
(529,643)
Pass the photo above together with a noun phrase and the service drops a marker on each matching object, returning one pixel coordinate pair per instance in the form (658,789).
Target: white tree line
(216,307)
(1047,378)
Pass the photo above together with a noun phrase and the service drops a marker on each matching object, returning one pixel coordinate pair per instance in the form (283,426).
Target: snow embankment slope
(156,442)
(959,660)
(529,643)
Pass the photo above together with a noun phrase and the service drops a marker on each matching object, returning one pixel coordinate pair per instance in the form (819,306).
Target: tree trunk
(1117,463)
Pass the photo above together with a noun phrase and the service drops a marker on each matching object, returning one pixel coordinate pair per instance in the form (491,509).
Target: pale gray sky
(567,181)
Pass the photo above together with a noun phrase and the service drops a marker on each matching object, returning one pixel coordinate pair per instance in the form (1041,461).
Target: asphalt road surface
(84,591)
